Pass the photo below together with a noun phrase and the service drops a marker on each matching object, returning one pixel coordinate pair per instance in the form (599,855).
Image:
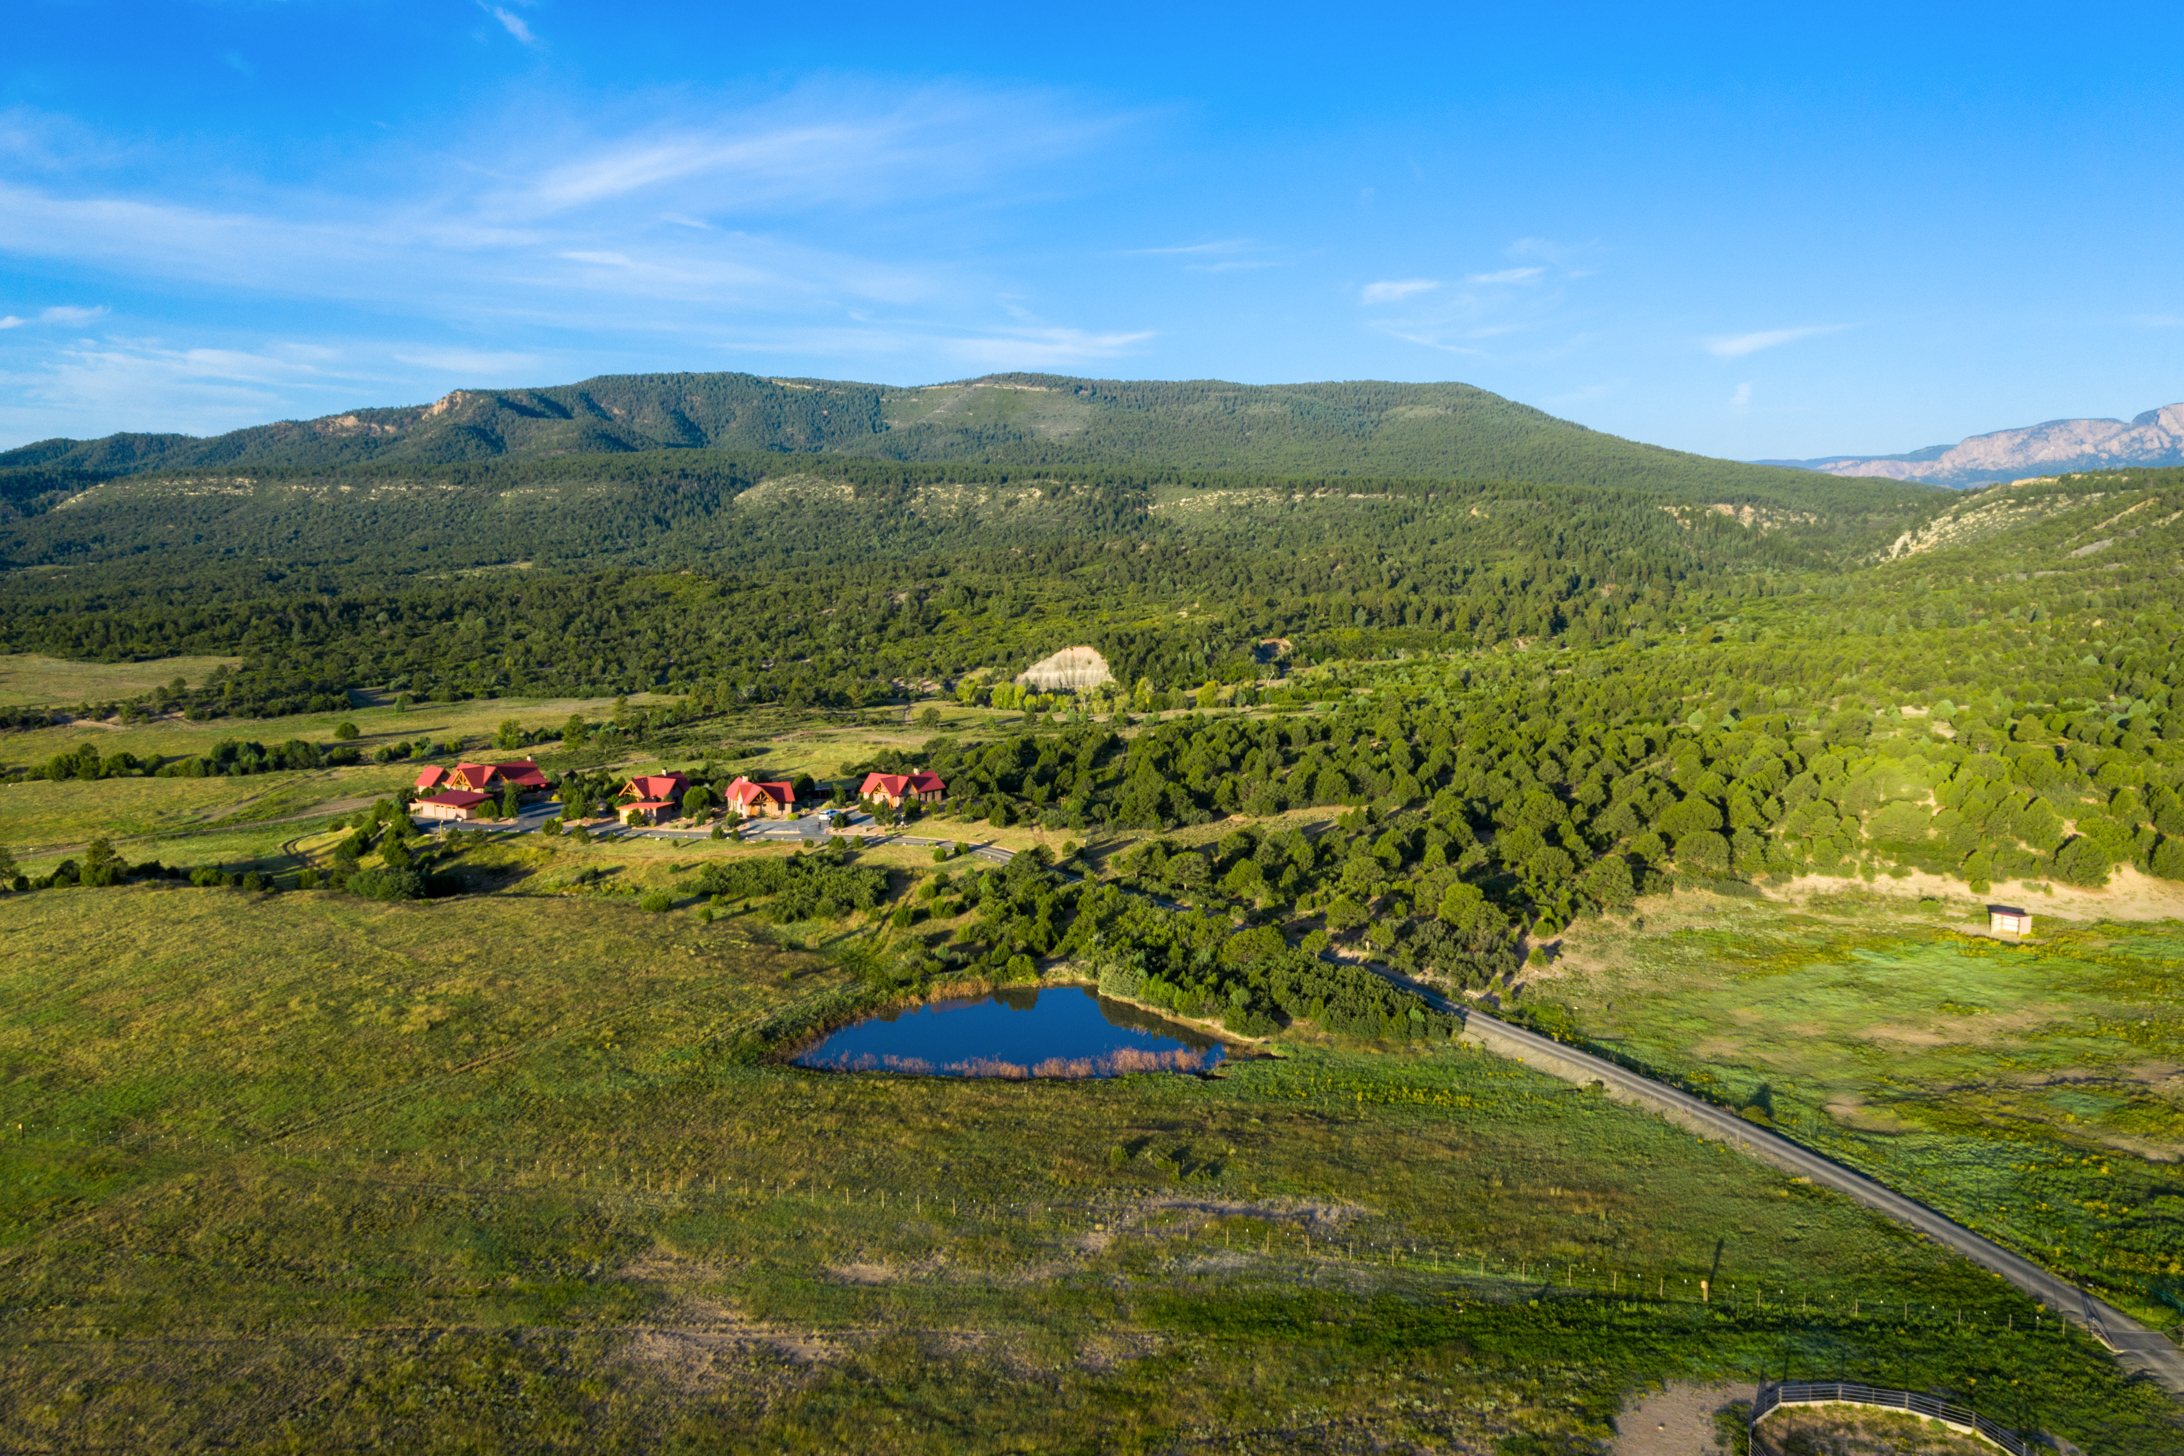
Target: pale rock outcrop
(1071,670)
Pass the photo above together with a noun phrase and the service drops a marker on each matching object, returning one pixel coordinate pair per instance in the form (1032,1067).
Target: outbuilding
(2009,920)
(456,804)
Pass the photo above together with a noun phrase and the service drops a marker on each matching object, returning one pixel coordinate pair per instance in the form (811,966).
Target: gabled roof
(651,804)
(523,773)
(747,791)
(657,786)
(895,785)
(477,775)
(430,776)
(459,799)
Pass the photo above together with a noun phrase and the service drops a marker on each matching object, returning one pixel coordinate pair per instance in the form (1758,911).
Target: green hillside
(1368,427)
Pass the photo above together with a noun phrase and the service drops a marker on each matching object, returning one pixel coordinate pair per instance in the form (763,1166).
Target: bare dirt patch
(1907,1036)
(695,1340)
(1312,1215)
(886,1273)
(1678,1421)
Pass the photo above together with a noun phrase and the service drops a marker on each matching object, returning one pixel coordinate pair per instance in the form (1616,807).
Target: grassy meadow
(33,680)
(2033,1090)
(522,1167)
(301,1172)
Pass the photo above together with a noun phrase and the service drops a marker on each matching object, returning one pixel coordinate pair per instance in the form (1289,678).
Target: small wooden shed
(2009,920)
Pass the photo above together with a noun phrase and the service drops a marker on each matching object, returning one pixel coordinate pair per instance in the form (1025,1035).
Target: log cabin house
(485,778)
(653,796)
(761,800)
(895,790)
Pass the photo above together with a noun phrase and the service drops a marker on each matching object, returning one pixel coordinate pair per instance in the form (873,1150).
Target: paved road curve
(2136,1347)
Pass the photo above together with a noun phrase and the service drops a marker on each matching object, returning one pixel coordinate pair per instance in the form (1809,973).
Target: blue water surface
(1053,1031)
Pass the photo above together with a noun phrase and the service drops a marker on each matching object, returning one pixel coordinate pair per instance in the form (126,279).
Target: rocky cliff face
(2055,448)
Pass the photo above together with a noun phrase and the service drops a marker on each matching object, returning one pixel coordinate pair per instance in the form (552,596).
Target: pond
(1053,1031)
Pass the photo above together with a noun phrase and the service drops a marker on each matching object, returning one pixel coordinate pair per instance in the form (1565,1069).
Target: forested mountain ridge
(1363,427)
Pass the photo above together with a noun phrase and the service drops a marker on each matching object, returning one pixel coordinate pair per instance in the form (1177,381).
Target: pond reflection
(1018,1032)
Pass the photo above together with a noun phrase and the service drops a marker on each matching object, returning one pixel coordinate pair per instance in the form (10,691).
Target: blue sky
(1872,230)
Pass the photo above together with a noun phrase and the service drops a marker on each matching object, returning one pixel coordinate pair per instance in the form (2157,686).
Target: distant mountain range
(1363,427)
(2059,447)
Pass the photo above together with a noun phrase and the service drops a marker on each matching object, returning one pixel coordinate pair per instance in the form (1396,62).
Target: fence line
(1772,1398)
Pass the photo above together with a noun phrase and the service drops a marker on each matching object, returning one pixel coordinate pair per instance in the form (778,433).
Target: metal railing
(1829,1392)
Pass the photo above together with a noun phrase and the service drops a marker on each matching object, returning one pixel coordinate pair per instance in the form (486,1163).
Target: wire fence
(1828,1392)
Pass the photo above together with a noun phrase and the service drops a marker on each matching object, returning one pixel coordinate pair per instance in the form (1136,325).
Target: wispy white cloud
(514,25)
(1426,338)
(1036,348)
(1391,290)
(156,386)
(1736,346)
(475,363)
(59,314)
(1742,398)
(1215,257)
(721,226)
(1586,393)
(1508,275)
(1226,245)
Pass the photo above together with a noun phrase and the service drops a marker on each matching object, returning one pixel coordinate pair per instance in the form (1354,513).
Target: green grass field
(299,1172)
(2032,1091)
(304,1172)
(29,680)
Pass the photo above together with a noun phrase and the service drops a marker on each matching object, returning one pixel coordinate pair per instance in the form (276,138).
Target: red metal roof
(657,786)
(431,775)
(459,799)
(748,791)
(896,785)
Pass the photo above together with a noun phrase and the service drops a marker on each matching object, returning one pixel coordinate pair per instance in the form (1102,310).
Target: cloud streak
(60,314)
(1396,289)
(718,231)
(514,25)
(1736,346)
(1227,245)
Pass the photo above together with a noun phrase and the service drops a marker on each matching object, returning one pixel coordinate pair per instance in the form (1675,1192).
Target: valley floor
(306,1172)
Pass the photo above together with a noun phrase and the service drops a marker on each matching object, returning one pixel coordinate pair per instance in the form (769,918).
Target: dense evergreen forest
(1606,685)
(814,580)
